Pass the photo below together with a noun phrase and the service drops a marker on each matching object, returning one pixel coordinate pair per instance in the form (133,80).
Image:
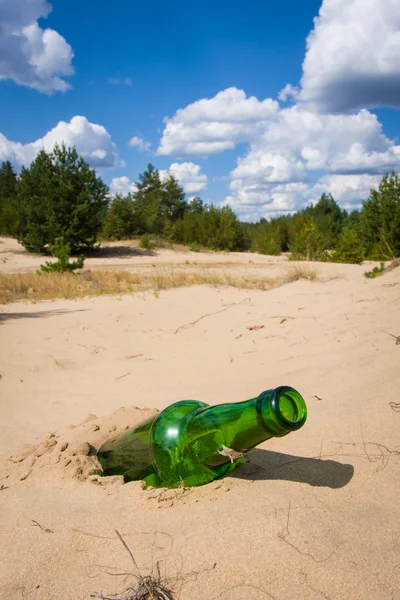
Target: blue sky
(97,75)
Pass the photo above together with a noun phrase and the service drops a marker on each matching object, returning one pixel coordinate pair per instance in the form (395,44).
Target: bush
(349,249)
(195,247)
(61,250)
(269,245)
(145,242)
(309,243)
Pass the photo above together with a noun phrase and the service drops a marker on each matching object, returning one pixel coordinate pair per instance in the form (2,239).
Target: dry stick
(121,376)
(271,317)
(45,529)
(396,337)
(129,552)
(209,315)
(56,361)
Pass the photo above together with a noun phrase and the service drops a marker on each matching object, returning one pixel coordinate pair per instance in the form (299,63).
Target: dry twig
(396,337)
(42,527)
(122,376)
(147,588)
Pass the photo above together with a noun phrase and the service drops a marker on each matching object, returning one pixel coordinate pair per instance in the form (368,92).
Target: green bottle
(191,443)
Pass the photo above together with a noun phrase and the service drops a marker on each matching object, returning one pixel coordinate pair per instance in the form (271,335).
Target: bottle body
(190,443)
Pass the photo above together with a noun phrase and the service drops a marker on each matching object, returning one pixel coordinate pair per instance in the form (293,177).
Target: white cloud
(289,91)
(216,124)
(122,185)
(348,190)
(353,56)
(31,56)
(189,176)
(120,81)
(92,141)
(289,149)
(139,143)
(325,139)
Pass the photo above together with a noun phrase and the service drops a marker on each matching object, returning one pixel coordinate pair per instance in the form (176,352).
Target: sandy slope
(314,515)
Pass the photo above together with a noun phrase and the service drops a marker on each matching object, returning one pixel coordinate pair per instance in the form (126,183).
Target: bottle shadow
(269,465)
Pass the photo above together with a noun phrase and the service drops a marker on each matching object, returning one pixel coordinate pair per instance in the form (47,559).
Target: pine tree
(8,216)
(147,201)
(379,223)
(60,196)
(349,248)
(120,222)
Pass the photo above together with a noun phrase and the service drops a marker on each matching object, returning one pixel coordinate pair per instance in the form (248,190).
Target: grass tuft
(299,271)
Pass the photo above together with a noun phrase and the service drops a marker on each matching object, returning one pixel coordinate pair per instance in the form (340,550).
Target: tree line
(59,197)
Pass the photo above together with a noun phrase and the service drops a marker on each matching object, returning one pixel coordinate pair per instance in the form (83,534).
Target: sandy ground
(313,515)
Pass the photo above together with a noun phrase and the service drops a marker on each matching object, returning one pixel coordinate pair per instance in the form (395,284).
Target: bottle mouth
(289,407)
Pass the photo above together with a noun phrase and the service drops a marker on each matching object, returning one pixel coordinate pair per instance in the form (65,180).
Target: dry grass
(299,271)
(47,286)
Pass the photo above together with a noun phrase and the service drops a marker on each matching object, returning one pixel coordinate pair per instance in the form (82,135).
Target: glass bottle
(191,443)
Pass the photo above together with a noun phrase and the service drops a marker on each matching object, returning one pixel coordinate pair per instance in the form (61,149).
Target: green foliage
(8,209)
(349,248)
(269,245)
(329,219)
(195,247)
(145,242)
(120,221)
(60,196)
(62,250)
(309,243)
(379,226)
(375,271)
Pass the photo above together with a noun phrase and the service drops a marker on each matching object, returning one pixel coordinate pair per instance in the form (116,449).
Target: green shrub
(269,245)
(349,249)
(309,243)
(195,247)
(376,271)
(145,242)
(61,250)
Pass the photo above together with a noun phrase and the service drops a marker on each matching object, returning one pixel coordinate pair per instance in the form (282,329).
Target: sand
(313,515)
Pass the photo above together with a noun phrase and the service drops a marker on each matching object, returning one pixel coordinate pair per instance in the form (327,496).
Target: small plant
(195,247)
(376,271)
(145,242)
(61,250)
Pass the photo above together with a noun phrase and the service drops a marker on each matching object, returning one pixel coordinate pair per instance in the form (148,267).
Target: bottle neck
(241,426)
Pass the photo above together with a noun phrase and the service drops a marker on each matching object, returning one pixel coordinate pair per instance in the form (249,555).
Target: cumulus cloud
(139,143)
(189,176)
(325,139)
(213,125)
(353,56)
(289,91)
(348,190)
(123,186)
(92,141)
(29,55)
(289,149)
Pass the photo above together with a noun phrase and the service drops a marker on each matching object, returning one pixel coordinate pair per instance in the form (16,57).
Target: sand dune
(313,515)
